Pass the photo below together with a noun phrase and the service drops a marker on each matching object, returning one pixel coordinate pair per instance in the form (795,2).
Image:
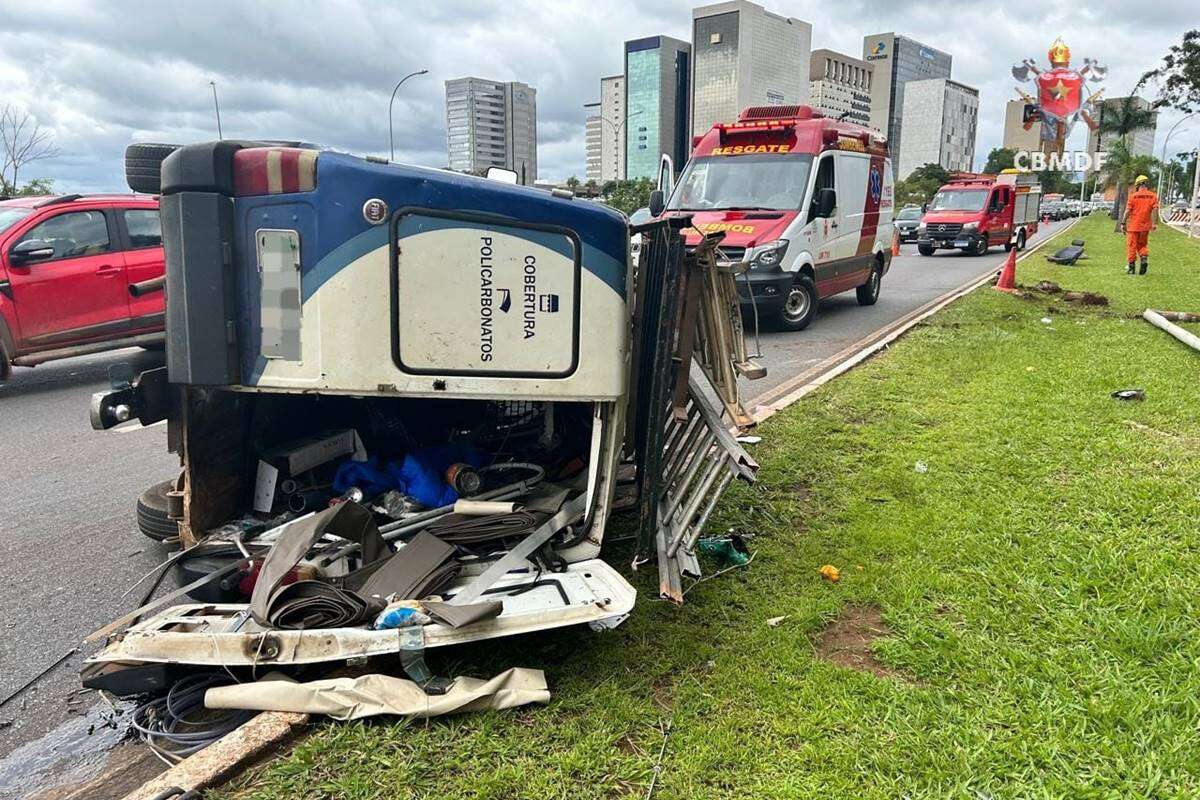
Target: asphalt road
(67,531)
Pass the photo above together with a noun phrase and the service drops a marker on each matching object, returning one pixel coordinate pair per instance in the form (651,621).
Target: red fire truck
(973,212)
(804,201)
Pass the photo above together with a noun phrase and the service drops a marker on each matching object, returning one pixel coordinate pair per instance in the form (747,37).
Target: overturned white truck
(388,383)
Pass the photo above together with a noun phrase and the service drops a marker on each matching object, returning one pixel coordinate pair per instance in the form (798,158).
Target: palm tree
(1121,119)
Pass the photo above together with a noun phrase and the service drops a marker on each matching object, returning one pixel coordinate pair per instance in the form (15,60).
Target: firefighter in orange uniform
(1139,221)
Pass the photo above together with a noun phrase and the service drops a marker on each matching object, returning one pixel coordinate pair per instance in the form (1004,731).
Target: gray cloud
(102,76)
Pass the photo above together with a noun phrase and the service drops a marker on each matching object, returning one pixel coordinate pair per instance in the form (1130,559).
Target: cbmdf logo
(878,51)
(1063,95)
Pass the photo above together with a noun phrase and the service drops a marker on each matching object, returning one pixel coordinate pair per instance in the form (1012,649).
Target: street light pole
(616,132)
(1195,203)
(391,138)
(1163,158)
(217,106)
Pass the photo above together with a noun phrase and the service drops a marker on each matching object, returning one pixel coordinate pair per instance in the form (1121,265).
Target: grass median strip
(1016,614)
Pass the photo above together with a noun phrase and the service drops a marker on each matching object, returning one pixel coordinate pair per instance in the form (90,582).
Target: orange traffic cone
(1008,275)
(895,243)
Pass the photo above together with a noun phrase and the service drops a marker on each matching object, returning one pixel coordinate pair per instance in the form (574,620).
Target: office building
(896,60)
(745,56)
(593,128)
(612,127)
(840,86)
(939,119)
(1140,142)
(657,77)
(1015,135)
(492,124)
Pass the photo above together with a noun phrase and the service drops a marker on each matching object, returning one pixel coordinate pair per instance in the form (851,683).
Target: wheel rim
(796,306)
(874,283)
(982,247)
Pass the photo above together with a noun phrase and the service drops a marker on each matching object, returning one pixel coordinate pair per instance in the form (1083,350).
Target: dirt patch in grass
(846,641)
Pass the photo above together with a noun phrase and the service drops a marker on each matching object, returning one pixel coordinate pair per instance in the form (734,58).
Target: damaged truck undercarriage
(407,404)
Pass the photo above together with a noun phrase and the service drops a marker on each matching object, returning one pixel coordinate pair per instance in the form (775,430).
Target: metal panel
(201,310)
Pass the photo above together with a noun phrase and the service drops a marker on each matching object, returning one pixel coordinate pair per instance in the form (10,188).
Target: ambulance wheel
(868,293)
(925,250)
(800,305)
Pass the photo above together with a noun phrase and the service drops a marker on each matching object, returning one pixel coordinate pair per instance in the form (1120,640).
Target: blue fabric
(419,475)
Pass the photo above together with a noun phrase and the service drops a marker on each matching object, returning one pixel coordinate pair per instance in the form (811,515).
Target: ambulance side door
(824,228)
(853,266)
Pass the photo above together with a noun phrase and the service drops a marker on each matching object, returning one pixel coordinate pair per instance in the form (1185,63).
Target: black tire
(152,519)
(981,247)
(1020,241)
(143,166)
(800,305)
(868,293)
(5,365)
(925,249)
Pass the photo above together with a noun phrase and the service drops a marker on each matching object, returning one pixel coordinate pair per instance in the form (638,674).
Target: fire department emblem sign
(1063,95)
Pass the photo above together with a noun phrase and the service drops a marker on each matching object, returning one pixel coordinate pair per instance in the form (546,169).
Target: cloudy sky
(103,75)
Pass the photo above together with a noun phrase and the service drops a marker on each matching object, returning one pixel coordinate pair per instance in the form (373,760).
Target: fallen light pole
(1161,319)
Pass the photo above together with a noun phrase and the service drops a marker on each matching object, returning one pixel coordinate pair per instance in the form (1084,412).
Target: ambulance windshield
(772,182)
(959,200)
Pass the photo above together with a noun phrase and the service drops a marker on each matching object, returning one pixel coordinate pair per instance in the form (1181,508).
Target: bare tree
(23,141)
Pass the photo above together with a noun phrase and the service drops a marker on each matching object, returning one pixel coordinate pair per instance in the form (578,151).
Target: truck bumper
(769,289)
(962,241)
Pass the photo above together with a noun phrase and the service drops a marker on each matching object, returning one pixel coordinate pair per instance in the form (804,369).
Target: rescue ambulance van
(805,203)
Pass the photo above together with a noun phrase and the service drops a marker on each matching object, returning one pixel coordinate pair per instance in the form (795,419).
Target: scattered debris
(1048,287)
(749,439)
(727,550)
(846,641)
(1129,394)
(1047,321)
(921,467)
(372,695)
(773,622)
(830,573)
(1068,255)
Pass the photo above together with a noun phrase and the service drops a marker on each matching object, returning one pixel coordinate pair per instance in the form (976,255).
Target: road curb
(780,397)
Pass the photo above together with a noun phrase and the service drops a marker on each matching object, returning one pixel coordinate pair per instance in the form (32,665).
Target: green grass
(1040,581)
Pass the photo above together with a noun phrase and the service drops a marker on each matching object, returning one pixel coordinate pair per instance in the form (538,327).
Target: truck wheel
(1021,241)
(800,305)
(5,365)
(152,519)
(868,293)
(981,247)
(925,249)
(143,166)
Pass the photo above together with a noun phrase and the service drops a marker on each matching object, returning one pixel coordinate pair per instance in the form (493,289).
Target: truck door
(824,227)
(67,280)
(999,222)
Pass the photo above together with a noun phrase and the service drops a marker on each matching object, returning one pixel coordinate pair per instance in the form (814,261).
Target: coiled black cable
(177,724)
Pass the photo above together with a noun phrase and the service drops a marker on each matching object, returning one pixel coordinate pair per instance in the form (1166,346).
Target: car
(78,275)
(906,222)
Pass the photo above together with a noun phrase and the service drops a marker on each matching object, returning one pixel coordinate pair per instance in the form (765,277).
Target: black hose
(177,724)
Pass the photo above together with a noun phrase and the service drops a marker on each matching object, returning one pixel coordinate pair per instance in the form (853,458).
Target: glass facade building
(491,124)
(744,55)
(657,76)
(896,60)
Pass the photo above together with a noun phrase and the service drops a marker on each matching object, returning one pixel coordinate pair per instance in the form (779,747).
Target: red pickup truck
(67,265)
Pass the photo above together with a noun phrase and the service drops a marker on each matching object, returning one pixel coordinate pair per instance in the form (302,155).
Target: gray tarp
(369,695)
